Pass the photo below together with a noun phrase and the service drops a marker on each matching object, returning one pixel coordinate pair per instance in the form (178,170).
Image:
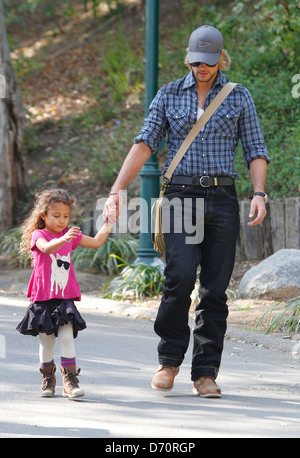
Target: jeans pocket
(229,192)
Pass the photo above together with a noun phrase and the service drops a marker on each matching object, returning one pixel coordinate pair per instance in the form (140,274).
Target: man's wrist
(114,192)
(261,194)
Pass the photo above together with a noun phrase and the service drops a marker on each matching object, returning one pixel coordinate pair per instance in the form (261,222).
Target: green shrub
(136,281)
(287,318)
(9,247)
(104,259)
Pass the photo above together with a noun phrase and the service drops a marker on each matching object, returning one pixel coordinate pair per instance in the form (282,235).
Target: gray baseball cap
(205,45)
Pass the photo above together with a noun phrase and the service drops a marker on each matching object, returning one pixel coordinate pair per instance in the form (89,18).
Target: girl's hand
(112,208)
(72,233)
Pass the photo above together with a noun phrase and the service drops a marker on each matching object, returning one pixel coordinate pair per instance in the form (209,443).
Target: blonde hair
(224,62)
(35,221)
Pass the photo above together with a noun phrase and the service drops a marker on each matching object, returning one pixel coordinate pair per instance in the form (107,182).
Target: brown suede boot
(71,388)
(206,387)
(163,380)
(48,381)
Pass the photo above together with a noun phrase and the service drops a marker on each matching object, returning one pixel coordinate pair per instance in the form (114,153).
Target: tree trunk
(12,169)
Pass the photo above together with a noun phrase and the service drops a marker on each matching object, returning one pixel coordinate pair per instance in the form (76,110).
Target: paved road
(117,356)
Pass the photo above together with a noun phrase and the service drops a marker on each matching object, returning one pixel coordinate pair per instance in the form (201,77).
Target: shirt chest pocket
(225,121)
(179,121)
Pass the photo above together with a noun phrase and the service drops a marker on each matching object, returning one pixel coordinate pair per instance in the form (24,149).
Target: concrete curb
(149,313)
(260,340)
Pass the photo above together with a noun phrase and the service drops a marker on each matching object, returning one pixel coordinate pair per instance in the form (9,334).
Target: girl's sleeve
(76,241)
(38,233)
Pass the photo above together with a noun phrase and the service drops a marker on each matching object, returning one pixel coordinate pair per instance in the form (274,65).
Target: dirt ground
(243,313)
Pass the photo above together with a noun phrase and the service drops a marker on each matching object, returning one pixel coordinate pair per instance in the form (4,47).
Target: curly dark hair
(35,221)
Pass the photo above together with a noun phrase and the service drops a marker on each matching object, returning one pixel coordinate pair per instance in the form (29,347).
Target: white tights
(65,340)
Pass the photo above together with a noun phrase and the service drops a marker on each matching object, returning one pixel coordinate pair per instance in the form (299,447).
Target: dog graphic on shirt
(60,269)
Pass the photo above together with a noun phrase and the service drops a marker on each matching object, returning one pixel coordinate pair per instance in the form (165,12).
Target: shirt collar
(220,80)
(189,81)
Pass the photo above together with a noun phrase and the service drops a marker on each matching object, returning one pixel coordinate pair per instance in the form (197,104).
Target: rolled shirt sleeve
(155,125)
(250,132)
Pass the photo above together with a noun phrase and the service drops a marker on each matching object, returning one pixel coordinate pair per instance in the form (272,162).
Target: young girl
(53,286)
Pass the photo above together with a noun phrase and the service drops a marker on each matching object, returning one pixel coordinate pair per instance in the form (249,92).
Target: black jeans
(215,255)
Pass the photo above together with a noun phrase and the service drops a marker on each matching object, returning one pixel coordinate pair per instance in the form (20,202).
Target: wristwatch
(262,194)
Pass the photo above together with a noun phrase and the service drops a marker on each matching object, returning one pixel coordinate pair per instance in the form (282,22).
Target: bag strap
(220,97)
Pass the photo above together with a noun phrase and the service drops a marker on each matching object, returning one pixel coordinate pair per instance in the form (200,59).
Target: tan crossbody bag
(156,212)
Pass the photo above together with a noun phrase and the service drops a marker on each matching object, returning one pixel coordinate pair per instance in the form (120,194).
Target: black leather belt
(204,181)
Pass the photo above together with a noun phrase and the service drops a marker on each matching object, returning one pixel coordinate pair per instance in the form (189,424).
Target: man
(205,172)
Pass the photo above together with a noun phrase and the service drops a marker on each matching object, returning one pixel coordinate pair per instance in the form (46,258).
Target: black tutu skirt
(47,316)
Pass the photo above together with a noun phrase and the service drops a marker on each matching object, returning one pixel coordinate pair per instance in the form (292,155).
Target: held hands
(257,206)
(111,214)
(112,208)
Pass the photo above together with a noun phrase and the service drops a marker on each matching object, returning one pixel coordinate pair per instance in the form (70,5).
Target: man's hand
(258,172)
(112,208)
(257,207)
(136,158)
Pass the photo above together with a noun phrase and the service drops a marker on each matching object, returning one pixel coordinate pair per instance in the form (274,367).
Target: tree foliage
(261,37)
(49,7)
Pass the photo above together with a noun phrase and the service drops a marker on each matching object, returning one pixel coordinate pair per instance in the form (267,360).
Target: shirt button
(203,155)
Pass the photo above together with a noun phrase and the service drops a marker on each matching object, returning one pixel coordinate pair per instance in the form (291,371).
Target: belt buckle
(203,184)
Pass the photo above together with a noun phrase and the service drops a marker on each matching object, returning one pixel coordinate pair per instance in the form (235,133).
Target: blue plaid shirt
(174,111)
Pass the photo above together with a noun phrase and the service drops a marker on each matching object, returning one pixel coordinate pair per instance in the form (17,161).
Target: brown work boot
(206,387)
(71,388)
(48,381)
(164,378)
